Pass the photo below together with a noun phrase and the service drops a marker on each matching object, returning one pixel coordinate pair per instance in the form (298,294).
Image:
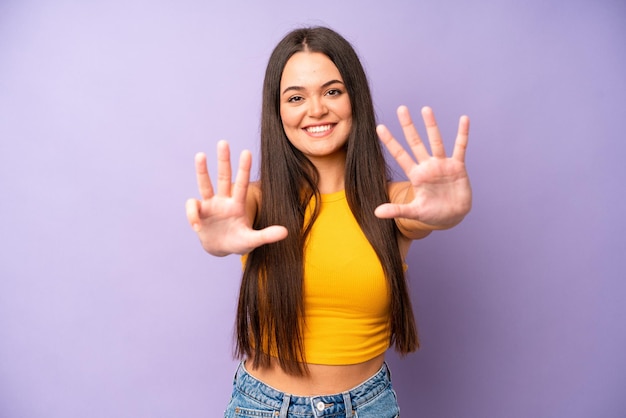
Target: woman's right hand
(222,221)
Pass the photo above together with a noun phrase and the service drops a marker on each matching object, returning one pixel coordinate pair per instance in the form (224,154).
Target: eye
(295,99)
(334,92)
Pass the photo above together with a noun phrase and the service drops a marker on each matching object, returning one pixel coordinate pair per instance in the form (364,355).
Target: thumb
(264,236)
(387,211)
(192,208)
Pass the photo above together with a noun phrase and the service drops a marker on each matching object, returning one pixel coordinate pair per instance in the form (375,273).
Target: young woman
(324,234)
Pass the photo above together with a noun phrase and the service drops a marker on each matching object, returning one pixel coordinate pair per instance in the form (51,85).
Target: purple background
(110,308)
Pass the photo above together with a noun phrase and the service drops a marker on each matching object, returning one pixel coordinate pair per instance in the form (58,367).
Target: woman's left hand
(438,194)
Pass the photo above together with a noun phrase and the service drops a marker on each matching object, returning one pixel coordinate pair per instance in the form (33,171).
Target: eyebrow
(300,88)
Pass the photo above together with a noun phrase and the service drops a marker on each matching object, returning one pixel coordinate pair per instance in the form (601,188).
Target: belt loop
(388,371)
(347,401)
(285,407)
(235,377)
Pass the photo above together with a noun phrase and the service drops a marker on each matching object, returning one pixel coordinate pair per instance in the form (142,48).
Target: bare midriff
(321,380)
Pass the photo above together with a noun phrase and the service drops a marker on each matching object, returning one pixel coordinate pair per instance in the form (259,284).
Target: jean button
(320,406)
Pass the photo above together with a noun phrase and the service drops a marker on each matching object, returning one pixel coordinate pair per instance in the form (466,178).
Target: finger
(405,161)
(411,135)
(434,136)
(268,235)
(202,175)
(224,173)
(242,180)
(192,208)
(462,136)
(391,210)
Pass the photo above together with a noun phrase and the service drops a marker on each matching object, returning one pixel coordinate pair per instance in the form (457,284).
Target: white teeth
(318,129)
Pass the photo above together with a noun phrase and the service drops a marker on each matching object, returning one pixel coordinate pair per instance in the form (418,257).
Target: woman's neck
(331,174)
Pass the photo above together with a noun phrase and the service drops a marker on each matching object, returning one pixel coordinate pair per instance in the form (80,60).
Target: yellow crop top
(346,295)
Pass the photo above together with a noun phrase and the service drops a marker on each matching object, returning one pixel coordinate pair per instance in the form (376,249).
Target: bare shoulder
(401,192)
(253,200)
(397,191)
(254,191)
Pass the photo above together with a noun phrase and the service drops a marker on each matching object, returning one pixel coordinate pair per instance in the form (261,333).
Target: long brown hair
(271,306)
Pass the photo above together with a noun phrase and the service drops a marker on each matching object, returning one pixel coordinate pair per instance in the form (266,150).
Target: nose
(317,107)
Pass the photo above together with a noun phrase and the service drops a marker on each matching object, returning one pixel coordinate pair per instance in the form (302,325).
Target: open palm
(438,193)
(223,220)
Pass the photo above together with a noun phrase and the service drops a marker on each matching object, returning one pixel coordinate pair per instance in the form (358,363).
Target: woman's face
(314,106)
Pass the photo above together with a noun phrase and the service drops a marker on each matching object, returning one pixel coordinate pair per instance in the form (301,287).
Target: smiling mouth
(318,129)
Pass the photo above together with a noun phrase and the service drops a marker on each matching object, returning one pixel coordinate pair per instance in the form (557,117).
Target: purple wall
(109,307)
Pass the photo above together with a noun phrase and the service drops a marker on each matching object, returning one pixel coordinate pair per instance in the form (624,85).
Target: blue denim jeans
(374,398)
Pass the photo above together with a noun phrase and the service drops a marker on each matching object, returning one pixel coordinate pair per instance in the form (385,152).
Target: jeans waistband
(324,405)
